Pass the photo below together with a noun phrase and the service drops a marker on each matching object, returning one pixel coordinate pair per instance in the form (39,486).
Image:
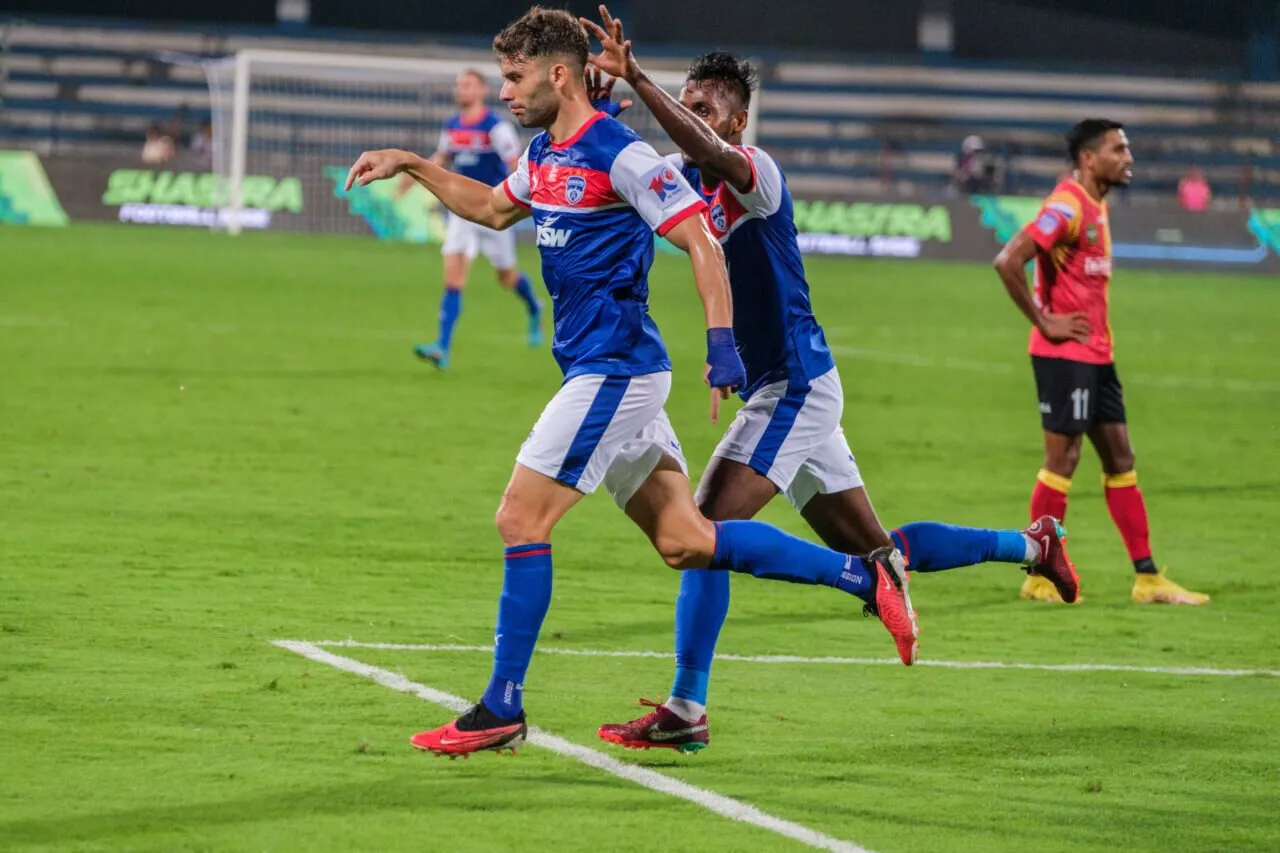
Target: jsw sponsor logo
(553,238)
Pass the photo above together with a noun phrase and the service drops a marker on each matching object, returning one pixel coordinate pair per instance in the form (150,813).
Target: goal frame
(243,62)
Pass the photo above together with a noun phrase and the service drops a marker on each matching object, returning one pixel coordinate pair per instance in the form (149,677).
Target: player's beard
(540,108)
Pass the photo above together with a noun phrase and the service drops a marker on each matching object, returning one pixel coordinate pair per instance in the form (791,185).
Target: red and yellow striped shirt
(1073,270)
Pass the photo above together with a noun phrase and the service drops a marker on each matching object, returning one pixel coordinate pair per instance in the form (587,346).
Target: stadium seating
(867,127)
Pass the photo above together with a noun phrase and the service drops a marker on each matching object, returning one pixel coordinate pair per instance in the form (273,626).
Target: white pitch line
(654,781)
(945,664)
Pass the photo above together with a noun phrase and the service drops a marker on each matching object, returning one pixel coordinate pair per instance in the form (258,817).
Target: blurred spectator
(202,142)
(178,124)
(1193,191)
(975,170)
(158,148)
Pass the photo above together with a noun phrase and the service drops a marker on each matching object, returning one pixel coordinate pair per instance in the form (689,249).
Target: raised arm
(493,207)
(693,136)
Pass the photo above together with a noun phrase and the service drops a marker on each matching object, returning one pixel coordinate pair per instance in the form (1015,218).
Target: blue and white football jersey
(777,334)
(481,149)
(596,199)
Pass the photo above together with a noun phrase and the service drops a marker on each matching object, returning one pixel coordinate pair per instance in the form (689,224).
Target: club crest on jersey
(1091,233)
(718,219)
(661,181)
(574,189)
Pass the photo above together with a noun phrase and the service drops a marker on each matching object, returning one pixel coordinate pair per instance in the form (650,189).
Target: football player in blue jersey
(483,146)
(787,436)
(597,192)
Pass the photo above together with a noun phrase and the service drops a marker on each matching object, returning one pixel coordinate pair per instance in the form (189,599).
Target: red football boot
(478,729)
(1054,565)
(661,728)
(892,603)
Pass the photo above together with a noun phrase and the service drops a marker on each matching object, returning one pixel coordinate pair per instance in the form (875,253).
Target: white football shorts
(792,435)
(462,237)
(604,429)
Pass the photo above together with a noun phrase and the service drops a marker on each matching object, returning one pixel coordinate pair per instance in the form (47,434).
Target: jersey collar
(586,125)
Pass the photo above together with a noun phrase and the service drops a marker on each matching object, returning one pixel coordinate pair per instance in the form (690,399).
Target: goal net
(287,125)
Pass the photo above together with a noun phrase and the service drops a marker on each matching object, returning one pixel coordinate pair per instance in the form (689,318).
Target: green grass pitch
(208,444)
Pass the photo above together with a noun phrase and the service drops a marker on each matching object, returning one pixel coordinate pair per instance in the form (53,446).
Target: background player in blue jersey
(483,146)
(596,192)
(787,437)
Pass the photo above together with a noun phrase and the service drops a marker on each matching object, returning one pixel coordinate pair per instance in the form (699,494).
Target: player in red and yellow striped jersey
(1072,349)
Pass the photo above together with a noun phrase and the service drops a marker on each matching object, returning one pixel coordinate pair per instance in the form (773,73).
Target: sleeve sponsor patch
(1047,224)
(1062,207)
(661,181)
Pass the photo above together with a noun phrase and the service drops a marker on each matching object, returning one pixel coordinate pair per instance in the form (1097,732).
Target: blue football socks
(450,308)
(929,546)
(524,289)
(762,550)
(526,597)
(700,612)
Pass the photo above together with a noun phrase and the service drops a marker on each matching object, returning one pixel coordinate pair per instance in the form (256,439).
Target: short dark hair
(1087,134)
(542,32)
(726,70)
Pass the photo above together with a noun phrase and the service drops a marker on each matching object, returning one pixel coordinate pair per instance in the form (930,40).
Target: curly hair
(727,71)
(543,32)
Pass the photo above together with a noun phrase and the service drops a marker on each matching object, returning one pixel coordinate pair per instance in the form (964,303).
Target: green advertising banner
(1163,236)
(1265,225)
(412,216)
(873,229)
(308,195)
(26,197)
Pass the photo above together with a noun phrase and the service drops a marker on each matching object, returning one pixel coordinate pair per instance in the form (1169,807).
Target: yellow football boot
(1036,588)
(1158,589)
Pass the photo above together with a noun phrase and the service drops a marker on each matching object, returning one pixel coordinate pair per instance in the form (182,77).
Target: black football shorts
(1075,395)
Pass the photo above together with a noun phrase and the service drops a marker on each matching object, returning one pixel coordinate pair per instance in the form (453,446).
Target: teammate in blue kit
(481,145)
(596,191)
(787,437)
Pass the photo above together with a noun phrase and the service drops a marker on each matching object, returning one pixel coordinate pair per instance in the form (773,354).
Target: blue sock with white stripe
(524,290)
(526,597)
(756,548)
(700,612)
(929,546)
(450,308)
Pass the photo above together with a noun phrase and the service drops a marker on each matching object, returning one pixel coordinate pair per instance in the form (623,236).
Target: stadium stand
(72,86)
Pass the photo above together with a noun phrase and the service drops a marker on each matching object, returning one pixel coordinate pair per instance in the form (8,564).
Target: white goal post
(303,114)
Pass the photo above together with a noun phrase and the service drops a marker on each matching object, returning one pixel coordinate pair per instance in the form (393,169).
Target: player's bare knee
(1122,462)
(681,552)
(691,546)
(517,526)
(1063,460)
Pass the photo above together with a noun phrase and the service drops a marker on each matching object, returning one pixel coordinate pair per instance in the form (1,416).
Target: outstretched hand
(377,166)
(600,91)
(615,50)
